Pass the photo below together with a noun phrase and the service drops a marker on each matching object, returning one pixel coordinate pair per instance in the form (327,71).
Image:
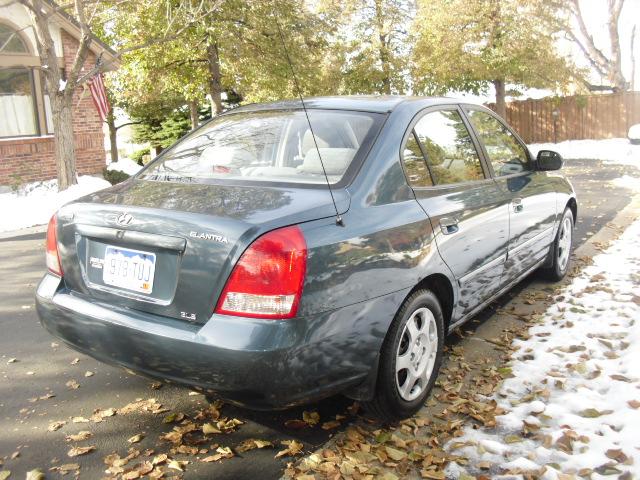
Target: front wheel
(410,358)
(561,248)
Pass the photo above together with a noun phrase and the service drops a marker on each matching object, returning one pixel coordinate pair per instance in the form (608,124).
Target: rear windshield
(272,146)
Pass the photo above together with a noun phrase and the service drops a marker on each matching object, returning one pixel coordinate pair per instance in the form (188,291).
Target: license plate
(129,269)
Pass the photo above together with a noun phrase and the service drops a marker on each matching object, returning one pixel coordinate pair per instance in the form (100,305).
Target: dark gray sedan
(273,264)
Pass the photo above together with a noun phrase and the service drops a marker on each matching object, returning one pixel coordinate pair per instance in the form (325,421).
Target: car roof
(364,103)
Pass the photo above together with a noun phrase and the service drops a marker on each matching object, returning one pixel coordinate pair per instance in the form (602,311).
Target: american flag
(99,95)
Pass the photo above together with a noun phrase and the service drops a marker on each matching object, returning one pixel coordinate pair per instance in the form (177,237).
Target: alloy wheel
(416,355)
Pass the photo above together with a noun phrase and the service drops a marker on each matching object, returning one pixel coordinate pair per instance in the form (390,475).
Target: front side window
(274,146)
(17,108)
(506,153)
(450,152)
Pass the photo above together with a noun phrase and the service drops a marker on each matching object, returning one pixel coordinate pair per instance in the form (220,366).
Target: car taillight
(52,255)
(267,280)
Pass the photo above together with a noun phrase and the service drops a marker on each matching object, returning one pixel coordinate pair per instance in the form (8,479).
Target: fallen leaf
(593,413)
(617,455)
(76,451)
(395,454)
(293,448)
(72,384)
(78,437)
(221,452)
(634,403)
(4,474)
(173,417)
(209,429)
(330,425)
(296,424)
(12,360)
(311,418)
(80,420)
(53,426)
(74,361)
(65,468)
(136,438)
(35,474)
(178,464)
(159,459)
(252,443)
(89,373)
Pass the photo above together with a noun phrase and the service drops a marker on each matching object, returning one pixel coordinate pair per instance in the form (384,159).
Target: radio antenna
(306,114)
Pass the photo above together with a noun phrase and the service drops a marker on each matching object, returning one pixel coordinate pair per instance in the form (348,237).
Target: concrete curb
(23,231)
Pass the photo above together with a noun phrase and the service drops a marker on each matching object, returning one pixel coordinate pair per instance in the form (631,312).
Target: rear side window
(414,164)
(270,146)
(451,155)
(506,153)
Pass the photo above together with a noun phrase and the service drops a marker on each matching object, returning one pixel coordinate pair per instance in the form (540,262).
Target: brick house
(26,129)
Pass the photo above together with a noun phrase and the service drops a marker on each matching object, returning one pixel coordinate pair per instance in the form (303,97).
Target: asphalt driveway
(43,382)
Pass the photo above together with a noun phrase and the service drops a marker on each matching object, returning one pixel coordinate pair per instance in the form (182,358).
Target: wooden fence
(575,118)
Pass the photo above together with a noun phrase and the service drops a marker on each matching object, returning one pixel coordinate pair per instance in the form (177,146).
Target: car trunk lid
(181,240)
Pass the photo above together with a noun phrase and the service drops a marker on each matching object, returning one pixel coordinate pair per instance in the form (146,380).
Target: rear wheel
(410,358)
(561,248)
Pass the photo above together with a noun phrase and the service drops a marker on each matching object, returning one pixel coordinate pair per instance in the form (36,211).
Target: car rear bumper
(262,364)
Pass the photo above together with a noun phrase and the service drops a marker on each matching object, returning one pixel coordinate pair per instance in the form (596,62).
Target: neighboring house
(26,129)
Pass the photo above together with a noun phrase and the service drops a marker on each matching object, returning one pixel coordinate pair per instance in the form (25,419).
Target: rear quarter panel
(386,245)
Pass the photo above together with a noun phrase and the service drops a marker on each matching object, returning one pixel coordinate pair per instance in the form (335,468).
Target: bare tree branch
(594,54)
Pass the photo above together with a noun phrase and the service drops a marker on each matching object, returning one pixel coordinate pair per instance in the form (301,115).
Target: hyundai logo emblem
(124,219)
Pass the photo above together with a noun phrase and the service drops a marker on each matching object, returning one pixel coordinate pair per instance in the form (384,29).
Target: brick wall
(32,159)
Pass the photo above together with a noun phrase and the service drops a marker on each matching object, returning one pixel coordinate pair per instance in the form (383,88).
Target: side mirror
(549,160)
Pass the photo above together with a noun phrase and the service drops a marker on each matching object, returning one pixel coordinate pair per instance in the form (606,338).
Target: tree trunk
(383,51)
(215,77)
(193,111)
(615,67)
(633,58)
(501,106)
(113,135)
(63,140)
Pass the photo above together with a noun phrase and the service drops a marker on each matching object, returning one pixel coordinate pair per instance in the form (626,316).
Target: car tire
(415,339)
(561,248)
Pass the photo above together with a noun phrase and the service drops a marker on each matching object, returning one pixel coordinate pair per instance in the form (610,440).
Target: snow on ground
(613,150)
(125,165)
(34,203)
(573,404)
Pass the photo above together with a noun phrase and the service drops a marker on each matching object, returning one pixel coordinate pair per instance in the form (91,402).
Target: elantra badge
(209,236)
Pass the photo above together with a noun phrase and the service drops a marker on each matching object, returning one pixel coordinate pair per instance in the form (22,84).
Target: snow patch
(580,381)
(34,203)
(125,165)
(613,150)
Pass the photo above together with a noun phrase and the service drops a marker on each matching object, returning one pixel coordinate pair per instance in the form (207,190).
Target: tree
(90,17)
(607,66)
(371,45)
(234,53)
(469,44)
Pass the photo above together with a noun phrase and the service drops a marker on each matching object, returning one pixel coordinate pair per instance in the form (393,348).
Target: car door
(532,196)
(468,212)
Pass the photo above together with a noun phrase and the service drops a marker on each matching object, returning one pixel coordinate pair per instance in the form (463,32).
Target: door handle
(517,205)
(448,225)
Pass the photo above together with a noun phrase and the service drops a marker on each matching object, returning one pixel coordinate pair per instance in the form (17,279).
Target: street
(49,382)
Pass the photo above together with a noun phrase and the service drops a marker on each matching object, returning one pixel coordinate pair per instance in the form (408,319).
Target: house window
(17,103)
(10,41)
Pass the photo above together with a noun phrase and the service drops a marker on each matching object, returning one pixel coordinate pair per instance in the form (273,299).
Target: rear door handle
(448,225)
(517,205)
